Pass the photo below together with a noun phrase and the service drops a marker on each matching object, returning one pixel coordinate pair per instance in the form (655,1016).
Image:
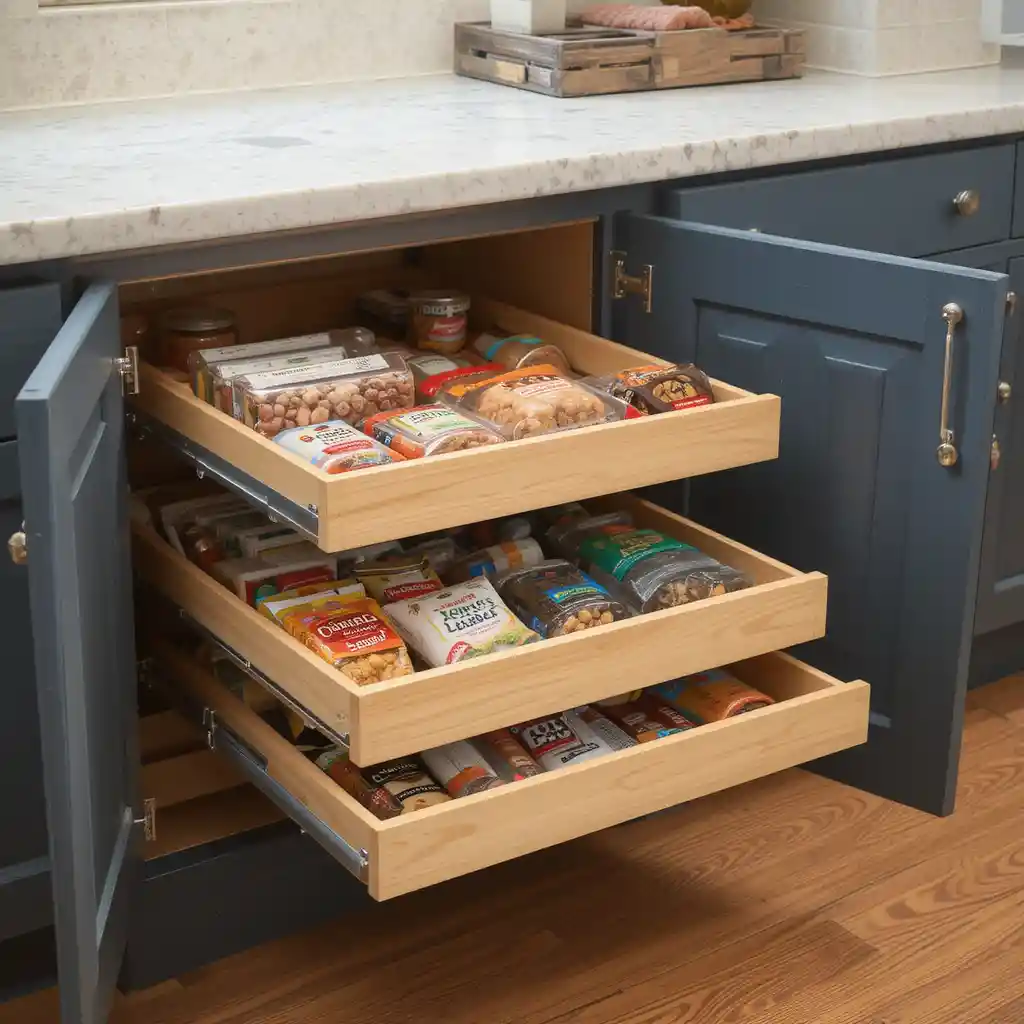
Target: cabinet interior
(198,795)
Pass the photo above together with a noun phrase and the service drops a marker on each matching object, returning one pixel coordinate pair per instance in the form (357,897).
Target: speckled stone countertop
(131,175)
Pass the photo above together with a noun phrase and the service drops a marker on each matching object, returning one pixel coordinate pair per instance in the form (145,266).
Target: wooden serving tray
(589,60)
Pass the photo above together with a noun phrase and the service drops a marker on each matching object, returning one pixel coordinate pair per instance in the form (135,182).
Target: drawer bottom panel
(814,715)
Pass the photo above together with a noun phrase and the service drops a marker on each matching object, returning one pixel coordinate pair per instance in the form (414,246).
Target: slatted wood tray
(590,61)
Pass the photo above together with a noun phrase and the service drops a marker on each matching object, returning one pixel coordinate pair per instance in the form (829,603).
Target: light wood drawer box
(816,715)
(432,494)
(389,719)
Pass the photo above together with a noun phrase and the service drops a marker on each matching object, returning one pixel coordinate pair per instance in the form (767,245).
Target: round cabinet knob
(947,454)
(18,547)
(1004,392)
(968,202)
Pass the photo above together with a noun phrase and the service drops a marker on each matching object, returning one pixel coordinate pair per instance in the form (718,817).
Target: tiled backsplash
(886,37)
(117,51)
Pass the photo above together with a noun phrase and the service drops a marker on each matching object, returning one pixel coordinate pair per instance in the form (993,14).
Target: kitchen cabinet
(852,341)
(855,344)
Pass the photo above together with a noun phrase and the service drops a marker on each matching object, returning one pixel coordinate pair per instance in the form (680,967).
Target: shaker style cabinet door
(855,344)
(1001,583)
(71,451)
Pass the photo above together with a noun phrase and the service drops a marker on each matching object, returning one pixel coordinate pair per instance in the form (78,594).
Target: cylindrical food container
(518,350)
(438,320)
(183,331)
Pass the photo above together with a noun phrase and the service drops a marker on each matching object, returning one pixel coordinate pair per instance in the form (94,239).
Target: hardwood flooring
(792,900)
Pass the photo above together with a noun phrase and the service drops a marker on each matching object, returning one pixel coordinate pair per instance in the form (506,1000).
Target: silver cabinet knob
(1004,392)
(18,547)
(968,202)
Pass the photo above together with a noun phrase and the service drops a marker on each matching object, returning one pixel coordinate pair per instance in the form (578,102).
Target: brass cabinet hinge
(128,366)
(624,284)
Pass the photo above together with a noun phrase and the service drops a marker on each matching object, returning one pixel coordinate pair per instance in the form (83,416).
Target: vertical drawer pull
(968,202)
(946,452)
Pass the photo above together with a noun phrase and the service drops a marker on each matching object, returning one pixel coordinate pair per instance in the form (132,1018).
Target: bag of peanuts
(333,389)
(429,430)
(555,598)
(654,389)
(466,621)
(534,400)
(353,635)
(336,447)
(650,569)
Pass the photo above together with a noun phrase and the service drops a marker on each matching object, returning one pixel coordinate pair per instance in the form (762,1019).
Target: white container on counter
(535,17)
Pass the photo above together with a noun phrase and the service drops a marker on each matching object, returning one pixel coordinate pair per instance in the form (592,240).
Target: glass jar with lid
(191,329)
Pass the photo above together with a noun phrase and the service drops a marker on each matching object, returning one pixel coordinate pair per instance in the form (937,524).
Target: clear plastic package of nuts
(555,598)
(649,569)
(334,389)
(534,400)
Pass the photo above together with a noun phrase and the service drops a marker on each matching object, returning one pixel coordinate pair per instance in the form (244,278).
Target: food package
(497,559)
(429,430)
(407,780)
(711,696)
(461,769)
(388,308)
(495,531)
(336,447)
(348,560)
(278,606)
(640,723)
(228,530)
(650,569)
(567,533)
(294,566)
(397,579)
(353,635)
(427,365)
(177,515)
(430,389)
(513,351)
(254,542)
(440,553)
(655,389)
(554,743)
(378,800)
(555,598)
(532,401)
(213,374)
(438,320)
(333,389)
(507,756)
(465,621)
(590,722)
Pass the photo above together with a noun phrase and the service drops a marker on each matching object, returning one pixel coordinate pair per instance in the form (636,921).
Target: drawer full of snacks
(410,644)
(415,820)
(444,411)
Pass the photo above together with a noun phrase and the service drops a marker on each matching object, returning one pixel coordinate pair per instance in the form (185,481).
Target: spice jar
(183,331)
(438,320)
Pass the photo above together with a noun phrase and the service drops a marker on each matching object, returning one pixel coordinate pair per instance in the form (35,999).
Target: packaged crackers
(353,635)
(465,621)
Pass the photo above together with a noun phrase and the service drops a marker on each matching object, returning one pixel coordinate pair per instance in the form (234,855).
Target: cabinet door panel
(71,441)
(854,343)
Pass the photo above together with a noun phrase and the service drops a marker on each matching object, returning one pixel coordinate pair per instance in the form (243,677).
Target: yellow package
(277,606)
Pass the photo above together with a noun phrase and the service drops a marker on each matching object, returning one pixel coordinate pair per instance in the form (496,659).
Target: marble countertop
(78,181)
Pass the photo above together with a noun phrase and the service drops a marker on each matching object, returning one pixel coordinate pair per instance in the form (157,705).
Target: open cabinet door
(71,450)
(855,344)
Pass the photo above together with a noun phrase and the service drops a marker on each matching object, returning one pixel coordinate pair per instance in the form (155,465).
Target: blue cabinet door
(854,343)
(71,443)
(1001,580)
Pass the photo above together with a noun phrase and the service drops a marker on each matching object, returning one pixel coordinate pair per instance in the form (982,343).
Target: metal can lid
(197,320)
(458,302)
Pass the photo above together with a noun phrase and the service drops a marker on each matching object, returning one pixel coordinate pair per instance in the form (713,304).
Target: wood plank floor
(793,900)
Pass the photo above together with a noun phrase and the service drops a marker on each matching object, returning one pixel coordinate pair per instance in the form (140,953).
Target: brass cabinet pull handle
(968,202)
(17,546)
(946,452)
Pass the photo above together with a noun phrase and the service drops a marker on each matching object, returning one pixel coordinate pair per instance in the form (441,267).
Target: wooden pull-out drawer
(816,715)
(389,719)
(351,510)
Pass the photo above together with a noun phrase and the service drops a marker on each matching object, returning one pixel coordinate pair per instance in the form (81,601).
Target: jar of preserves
(438,320)
(187,330)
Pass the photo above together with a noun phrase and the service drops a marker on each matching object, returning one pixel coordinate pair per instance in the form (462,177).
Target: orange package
(353,635)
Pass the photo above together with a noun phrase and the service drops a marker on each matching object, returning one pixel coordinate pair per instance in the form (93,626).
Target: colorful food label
(617,548)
